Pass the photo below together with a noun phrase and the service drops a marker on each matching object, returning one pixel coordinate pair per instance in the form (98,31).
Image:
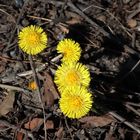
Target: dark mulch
(109,35)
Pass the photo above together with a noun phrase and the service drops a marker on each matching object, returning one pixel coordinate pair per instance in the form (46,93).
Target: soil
(109,35)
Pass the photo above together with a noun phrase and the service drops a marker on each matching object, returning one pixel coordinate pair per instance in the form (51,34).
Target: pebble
(132,23)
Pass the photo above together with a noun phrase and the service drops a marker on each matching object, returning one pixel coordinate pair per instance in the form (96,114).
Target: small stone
(132,23)
(25,22)
(138,28)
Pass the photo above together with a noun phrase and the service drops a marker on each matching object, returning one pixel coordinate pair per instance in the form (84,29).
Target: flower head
(32,39)
(70,49)
(32,85)
(75,102)
(69,75)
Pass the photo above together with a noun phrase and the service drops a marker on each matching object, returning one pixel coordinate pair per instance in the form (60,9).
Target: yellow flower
(69,75)
(70,49)
(32,85)
(75,102)
(32,39)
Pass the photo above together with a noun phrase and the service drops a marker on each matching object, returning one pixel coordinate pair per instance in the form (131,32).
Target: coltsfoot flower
(75,102)
(69,75)
(70,49)
(32,40)
(32,85)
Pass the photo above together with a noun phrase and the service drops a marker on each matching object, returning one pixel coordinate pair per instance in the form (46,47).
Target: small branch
(124,121)
(39,93)
(17,22)
(68,128)
(132,109)
(133,14)
(15,88)
(7,124)
(127,74)
(38,69)
(133,104)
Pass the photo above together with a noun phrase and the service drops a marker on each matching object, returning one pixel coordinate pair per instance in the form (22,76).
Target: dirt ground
(109,34)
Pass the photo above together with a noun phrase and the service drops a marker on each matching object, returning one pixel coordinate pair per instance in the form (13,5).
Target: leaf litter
(116,58)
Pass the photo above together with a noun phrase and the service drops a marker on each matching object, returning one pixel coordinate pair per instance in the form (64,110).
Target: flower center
(34,38)
(76,102)
(68,52)
(72,77)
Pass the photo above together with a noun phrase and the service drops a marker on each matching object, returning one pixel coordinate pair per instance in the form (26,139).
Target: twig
(133,14)
(17,22)
(7,14)
(127,74)
(15,88)
(46,19)
(7,124)
(16,60)
(95,25)
(68,128)
(124,28)
(38,69)
(124,121)
(39,93)
(133,104)
(131,108)
(35,17)
(70,4)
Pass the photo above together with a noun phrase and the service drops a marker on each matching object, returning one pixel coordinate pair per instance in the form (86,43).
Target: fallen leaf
(1,46)
(102,18)
(50,84)
(33,123)
(74,18)
(50,93)
(7,104)
(2,66)
(96,121)
(59,133)
(64,29)
(19,136)
(49,124)
(73,21)
(110,137)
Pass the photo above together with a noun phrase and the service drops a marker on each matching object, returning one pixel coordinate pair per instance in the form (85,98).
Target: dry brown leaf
(19,136)
(110,137)
(33,123)
(48,97)
(2,66)
(50,93)
(59,133)
(7,104)
(49,82)
(73,21)
(74,18)
(1,46)
(97,121)
(102,18)
(64,29)
(49,124)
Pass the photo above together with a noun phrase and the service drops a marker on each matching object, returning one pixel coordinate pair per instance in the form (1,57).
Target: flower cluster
(72,79)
